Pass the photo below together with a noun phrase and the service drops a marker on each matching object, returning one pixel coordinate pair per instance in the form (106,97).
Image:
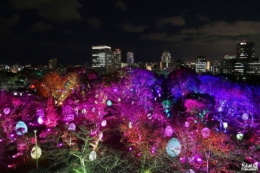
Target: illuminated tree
(182,82)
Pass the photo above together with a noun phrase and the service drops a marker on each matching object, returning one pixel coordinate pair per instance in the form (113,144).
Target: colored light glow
(173,147)
(40,120)
(92,156)
(104,123)
(225,125)
(245,116)
(72,127)
(168,131)
(36,149)
(240,136)
(205,132)
(21,128)
(109,103)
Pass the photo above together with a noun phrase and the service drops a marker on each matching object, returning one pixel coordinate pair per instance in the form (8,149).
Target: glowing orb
(104,123)
(119,100)
(92,156)
(36,152)
(130,125)
(109,103)
(6,111)
(40,120)
(173,147)
(168,131)
(190,171)
(72,127)
(187,124)
(205,132)
(225,125)
(21,128)
(240,136)
(245,116)
(84,111)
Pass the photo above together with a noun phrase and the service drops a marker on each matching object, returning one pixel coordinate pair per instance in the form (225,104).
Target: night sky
(33,31)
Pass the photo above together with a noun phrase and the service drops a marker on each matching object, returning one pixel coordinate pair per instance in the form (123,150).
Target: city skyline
(36,31)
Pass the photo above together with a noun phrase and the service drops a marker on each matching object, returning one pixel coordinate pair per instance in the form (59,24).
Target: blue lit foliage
(232,101)
(167,104)
(182,82)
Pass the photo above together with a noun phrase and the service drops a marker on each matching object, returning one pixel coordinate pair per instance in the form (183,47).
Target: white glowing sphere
(104,123)
(225,125)
(130,125)
(240,136)
(168,131)
(173,147)
(92,156)
(36,152)
(245,116)
(40,120)
(190,171)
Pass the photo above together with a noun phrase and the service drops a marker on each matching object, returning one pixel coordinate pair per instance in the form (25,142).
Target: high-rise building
(53,63)
(101,57)
(116,59)
(166,59)
(130,58)
(245,50)
(201,64)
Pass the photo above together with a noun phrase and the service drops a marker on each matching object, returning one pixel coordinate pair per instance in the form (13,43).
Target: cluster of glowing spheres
(173,147)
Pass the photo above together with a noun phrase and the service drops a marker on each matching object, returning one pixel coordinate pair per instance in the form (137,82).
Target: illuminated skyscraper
(116,58)
(201,64)
(166,59)
(101,57)
(245,50)
(130,58)
(53,63)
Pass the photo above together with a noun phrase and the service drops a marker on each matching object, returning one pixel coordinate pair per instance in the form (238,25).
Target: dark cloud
(163,37)
(58,11)
(13,21)
(94,22)
(121,5)
(174,21)
(203,18)
(130,28)
(41,27)
(222,28)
